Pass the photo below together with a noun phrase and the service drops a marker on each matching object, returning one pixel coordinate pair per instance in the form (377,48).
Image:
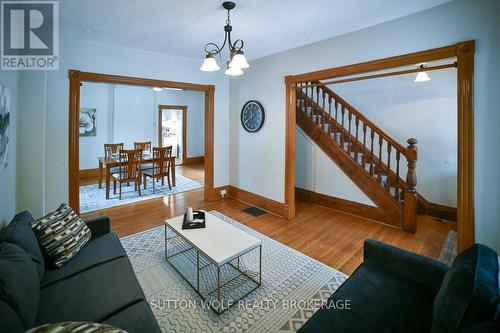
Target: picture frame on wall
(87,122)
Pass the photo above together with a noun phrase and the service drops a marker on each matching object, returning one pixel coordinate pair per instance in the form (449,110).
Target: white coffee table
(214,260)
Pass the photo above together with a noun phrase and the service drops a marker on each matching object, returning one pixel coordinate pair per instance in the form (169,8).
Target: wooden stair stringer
(391,209)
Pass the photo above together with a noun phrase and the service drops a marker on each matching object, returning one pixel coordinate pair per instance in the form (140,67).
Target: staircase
(371,158)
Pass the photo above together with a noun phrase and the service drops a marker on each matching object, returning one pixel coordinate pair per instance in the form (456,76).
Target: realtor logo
(30,35)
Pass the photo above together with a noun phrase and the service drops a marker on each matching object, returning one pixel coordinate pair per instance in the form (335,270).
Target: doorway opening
(464,54)
(172,130)
(124,115)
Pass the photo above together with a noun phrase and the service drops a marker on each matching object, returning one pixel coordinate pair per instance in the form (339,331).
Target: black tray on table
(197,223)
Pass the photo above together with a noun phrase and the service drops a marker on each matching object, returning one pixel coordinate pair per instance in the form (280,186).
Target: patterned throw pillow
(62,234)
(75,327)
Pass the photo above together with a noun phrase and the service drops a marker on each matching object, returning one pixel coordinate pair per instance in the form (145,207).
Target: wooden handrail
(365,120)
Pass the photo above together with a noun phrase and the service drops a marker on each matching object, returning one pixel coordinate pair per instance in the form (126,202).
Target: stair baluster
(396,194)
(349,117)
(356,155)
(323,117)
(342,129)
(317,103)
(379,166)
(330,115)
(388,180)
(363,158)
(410,195)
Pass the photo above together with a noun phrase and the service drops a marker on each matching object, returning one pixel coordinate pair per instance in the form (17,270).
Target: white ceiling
(182,27)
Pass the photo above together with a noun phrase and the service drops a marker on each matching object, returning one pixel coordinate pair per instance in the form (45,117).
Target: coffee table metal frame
(219,286)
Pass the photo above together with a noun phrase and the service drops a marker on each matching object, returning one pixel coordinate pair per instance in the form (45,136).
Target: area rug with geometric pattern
(94,198)
(293,287)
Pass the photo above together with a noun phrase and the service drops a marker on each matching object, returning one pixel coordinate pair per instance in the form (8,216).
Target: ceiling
(182,27)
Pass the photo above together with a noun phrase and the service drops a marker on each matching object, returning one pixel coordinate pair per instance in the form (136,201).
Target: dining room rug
(293,287)
(94,198)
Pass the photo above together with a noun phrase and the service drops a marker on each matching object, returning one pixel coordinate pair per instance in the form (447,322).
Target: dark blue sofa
(398,291)
(97,285)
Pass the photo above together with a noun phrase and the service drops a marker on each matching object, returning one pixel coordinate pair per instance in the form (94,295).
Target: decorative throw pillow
(62,234)
(76,327)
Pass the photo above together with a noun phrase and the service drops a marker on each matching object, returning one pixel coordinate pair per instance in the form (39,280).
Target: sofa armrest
(417,268)
(98,226)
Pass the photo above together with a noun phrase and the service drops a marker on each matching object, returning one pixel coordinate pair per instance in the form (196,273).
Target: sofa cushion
(9,319)
(19,282)
(62,234)
(19,232)
(379,301)
(97,251)
(92,295)
(136,318)
(469,293)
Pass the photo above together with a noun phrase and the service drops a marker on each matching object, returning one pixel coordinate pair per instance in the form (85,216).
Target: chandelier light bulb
(239,61)
(233,71)
(209,65)
(422,76)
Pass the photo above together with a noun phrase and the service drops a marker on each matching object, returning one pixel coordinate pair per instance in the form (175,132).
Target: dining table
(106,163)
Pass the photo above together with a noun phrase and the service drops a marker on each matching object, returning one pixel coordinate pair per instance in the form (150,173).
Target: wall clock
(252,116)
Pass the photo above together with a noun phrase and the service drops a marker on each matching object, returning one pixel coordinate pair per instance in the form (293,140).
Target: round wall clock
(252,116)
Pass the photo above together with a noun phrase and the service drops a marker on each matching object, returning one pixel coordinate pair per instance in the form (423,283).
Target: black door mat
(254,211)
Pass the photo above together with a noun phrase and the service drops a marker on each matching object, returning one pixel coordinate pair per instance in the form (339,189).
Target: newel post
(410,193)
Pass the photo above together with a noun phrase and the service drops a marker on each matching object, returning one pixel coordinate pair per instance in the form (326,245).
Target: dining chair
(129,169)
(144,145)
(146,150)
(111,149)
(161,167)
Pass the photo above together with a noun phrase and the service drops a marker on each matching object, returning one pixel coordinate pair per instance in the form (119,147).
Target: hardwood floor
(332,237)
(194,171)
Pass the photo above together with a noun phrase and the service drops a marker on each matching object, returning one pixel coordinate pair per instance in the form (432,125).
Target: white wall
(8,175)
(134,120)
(31,130)
(316,172)
(261,156)
(95,95)
(50,182)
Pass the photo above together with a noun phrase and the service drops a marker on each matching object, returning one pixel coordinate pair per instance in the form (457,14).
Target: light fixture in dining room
(158,89)
(422,76)
(237,60)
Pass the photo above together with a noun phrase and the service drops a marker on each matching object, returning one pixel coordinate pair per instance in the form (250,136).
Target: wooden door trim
(464,53)
(183,108)
(76,77)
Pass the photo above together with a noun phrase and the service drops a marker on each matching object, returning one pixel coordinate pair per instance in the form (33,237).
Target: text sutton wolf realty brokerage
(29,35)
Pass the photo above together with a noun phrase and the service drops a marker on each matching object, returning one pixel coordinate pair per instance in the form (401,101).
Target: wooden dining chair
(112,148)
(161,167)
(129,169)
(146,150)
(145,146)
